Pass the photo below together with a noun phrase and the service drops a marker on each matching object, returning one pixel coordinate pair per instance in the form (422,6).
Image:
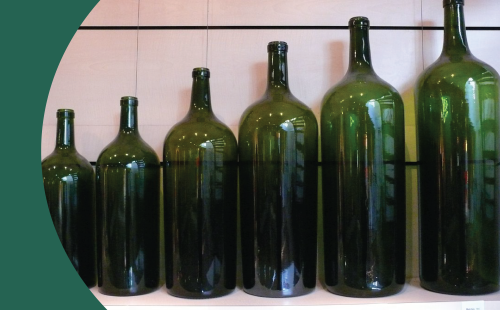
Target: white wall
(99,66)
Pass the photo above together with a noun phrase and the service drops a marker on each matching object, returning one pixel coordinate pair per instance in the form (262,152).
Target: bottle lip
(451,2)
(277,46)
(129,100)
(201,71)
(359,22)
(68,113)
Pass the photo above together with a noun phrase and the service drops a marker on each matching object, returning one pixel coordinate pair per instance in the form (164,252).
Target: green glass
(200,186)
(458,113)
(278,154)
(363,158)
(128,209)
(68,180)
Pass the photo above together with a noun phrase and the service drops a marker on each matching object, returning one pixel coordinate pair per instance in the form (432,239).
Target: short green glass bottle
(128,210)
(68,180)
(200,185)
(278,154)
(363,160)
(458,128)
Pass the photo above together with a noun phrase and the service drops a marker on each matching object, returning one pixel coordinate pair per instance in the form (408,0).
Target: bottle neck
(200,96)
(128,119)
(359,51)
(65,133)
(455,39)
(277,71)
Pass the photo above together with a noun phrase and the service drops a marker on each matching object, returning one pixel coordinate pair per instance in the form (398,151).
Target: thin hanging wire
(137,45)
(206,47)
(422,32)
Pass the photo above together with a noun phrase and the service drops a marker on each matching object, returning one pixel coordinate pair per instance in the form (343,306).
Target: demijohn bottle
(200,186)
(128,209)
(278,154)
(68,179)
(363,158)
(458,113)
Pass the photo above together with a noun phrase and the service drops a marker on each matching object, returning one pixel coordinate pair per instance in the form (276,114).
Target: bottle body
(458,119)
(278,189)
(363,162)
(128,198)
(200,186)
(68,180)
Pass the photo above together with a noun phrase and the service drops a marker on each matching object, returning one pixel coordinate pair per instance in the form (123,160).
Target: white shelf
(411,298)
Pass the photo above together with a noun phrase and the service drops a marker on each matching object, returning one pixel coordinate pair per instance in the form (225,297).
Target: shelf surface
(412,297)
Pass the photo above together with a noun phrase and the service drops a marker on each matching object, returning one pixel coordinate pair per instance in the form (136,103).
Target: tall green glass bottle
(458,113)
(200,186)
(363,157)
(128,209)
(68,180)
(278,154)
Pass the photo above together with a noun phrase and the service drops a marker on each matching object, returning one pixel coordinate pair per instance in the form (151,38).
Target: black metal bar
(318,27)
(408,163)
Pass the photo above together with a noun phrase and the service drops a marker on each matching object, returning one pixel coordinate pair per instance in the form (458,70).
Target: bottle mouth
(201,71)
(129,100)
(69,113)
(451,2)
(277,46)
(359,22)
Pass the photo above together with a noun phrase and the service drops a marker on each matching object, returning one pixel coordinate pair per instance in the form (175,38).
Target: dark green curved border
(36,273)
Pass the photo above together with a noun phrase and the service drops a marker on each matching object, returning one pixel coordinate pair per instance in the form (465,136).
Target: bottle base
(89,280)
(449,289)
(365,293)
(90,285)
(199,295)
(125,292)
(267,293)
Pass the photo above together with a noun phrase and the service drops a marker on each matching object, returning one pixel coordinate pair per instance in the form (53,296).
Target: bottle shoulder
(66,157)
(128,148)
(201,126)
(193,132)
(63,163)
(277,109)
(359,89)
(446,70)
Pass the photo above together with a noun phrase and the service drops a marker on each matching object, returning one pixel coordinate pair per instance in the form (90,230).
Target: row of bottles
(363,179)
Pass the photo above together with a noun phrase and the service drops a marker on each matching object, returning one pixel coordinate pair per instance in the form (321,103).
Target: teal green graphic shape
(36,272)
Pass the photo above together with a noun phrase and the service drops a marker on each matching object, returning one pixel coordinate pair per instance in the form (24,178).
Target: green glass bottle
(363,158)
(458,114)
(128,209)
(278,154)
(200,185)
(68,180)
